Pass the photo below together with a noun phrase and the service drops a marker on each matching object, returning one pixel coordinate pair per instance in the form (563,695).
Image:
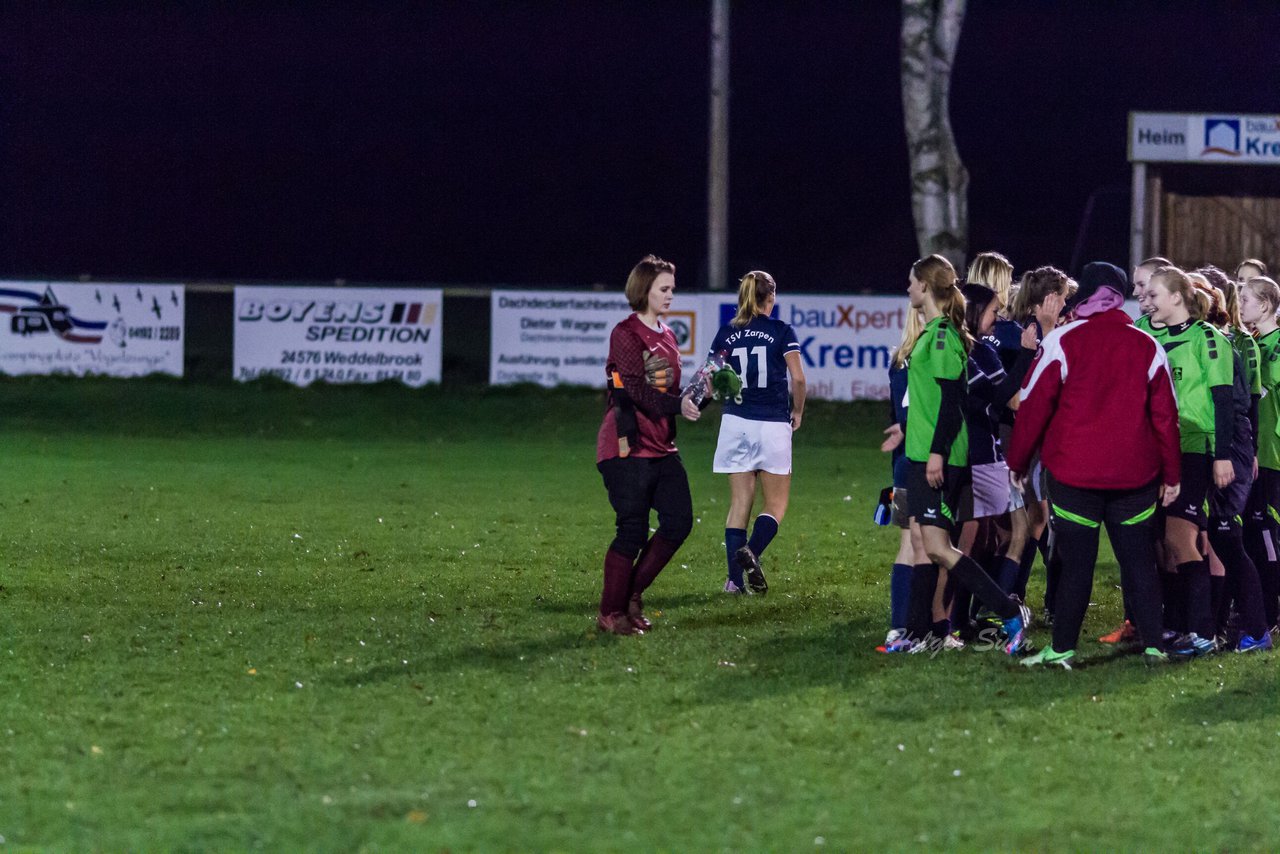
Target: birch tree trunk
(939,181)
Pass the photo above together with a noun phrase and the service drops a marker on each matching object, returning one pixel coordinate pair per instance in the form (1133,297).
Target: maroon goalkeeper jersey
(655,410)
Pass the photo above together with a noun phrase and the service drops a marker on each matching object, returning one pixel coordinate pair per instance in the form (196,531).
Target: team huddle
(1027,417)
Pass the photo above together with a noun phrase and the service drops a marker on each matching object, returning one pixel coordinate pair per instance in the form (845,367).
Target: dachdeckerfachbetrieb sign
(562,337)
(339,335)
(118,330)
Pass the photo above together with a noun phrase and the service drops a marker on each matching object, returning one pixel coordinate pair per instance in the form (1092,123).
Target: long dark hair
(976,300)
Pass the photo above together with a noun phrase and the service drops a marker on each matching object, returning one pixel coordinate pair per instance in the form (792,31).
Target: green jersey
(1199,360)
(1269,406)
(938,355)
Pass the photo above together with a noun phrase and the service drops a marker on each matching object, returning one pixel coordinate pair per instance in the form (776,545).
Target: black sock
(1196,578)
(924,583)
(968,573)
(1217,584)
(1175,601)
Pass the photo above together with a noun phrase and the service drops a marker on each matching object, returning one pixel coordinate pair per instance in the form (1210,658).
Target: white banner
(553,337)
(119,330)
(1204,138)
(339,335)
(562,337)
(845,341)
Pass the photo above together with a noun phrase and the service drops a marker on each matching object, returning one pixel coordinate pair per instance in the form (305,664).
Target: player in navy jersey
(995,523)
(994,270)
(636,452)
(755,429)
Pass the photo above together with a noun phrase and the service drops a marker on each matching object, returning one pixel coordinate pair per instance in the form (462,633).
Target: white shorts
(745,445)
(990,492)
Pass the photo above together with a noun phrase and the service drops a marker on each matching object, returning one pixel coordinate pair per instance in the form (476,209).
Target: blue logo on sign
(729,310)
(1222,136)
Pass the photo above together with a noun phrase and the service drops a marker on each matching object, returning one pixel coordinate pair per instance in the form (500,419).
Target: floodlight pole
(718,164)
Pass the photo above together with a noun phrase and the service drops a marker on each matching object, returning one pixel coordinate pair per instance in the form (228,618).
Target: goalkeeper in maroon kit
(635,448)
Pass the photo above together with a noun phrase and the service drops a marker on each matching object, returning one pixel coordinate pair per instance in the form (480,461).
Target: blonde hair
(911,330)
(993,270)
(753,292)
(939,279)
(1177,282)
(641,279)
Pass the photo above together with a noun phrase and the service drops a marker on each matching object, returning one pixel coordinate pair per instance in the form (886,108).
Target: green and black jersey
(1144,323)
(1269,406)
(1247,349)
(1199,361)
(937,356)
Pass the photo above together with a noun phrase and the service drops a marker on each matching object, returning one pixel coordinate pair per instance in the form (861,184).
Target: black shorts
(1229,505)
(936,507)
(1191,503)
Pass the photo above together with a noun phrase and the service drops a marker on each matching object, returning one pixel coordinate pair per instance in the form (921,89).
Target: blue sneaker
(1252,644)
(1015,630)
(1192,646)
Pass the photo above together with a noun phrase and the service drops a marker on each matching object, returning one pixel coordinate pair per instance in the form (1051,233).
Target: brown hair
(1176,282)
(753,292)
(1035,286)
(1219,280)
(1251,262)
(1155,262)
(939,279)
(993,270)
(641,280)
(1266,290)
(1213,311)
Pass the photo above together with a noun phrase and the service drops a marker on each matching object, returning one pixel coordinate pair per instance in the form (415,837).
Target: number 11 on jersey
(740,355)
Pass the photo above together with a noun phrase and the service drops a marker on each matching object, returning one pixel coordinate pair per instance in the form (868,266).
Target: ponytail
(753,292)
(940,282)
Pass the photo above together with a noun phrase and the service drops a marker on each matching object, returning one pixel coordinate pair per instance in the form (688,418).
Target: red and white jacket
(1099,404)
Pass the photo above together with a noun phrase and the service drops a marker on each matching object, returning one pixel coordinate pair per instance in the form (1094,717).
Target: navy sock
(762,533)
(899,594)
(734,539)
(1007,575)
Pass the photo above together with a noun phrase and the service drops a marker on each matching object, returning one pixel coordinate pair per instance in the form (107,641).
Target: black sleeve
(1223,426)
(1253,419)
(1017,372)
(950,416)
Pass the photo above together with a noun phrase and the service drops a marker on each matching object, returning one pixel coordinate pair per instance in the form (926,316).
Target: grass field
(344,618)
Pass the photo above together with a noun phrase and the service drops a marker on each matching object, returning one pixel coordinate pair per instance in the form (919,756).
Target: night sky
(556,142)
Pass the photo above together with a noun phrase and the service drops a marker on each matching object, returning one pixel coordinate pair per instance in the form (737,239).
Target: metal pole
(1138,216)
(718,165)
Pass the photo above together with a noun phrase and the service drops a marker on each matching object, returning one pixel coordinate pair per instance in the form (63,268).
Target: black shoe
(750,564)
